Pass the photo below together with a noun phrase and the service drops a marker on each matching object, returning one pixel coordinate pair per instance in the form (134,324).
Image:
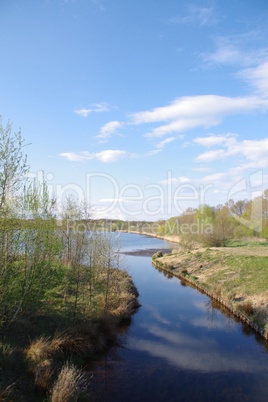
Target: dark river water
(179,346)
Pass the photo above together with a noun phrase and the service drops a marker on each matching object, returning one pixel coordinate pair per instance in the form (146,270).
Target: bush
(70,385)
(246,308)
(159,254)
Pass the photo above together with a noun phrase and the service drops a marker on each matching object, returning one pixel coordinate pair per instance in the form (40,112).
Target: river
(179,346)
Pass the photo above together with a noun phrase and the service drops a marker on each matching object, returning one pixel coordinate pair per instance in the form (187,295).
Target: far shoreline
(172,239)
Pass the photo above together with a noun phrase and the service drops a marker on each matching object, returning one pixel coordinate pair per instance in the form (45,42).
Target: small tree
(13,169)
(13,163)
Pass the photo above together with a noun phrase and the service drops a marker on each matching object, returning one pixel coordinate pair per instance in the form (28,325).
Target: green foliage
(205,214)
(158,254)
(13,165)
(48,266)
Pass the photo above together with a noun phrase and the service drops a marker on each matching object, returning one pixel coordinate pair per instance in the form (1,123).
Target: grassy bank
(237,277)
(43,356)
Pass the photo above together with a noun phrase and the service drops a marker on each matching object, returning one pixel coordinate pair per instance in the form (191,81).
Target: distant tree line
(215,226)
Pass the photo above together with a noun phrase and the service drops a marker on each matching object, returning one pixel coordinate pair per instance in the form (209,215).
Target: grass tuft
(70,385)
(38,350)
(43,373)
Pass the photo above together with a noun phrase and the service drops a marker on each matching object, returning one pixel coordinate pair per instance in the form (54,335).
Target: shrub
(70,385)
(159,254)
(38,350)
(246,308)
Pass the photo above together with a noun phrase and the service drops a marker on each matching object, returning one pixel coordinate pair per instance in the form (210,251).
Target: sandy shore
(172,239)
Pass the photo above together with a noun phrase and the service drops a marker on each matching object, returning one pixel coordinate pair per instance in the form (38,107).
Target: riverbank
(236,277)
(172,239)
(42,354)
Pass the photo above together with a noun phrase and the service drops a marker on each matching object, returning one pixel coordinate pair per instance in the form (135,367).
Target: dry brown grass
(97,334)
(43,373)
(70,384)
(63,343)
(76,343)
(5,393)
(38,350)
(127,303)
(47,355)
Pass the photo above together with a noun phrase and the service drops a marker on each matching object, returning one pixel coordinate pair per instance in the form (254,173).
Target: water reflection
(153,311)
(191,353)
(213,318)
(182,346)
(164,273)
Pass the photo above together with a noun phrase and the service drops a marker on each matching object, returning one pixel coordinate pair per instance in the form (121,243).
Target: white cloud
(82,156)
(228,53)
(213,140)
(255,152)
(236,50)
(117,200)
(198,106)
(109,128)
(182,125)
(211,155)
(105,156)
(214,178)
(258,77)
(161,144)
(176,180)
(190,352)
(153,152)
(196,15)
(195,111)
(94,108)
(83,112)
(111,155)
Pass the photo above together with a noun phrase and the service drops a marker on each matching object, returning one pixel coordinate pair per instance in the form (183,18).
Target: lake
(179,346)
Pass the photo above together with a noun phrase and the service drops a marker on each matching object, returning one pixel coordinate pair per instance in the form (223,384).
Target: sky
(141,108)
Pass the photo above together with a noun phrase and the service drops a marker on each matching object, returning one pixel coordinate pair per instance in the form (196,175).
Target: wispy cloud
(212,140)
(105,156)
(213,155)
(108,129)
(176,180)
(94,108)
(162,144)
(257,77)
(227,53)
(111,155)
(239,50)
(215,177)
(195,111)
(196,15)
(254,152)
(180,351)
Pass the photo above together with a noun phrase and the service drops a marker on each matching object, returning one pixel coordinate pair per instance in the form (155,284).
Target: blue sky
(142,107)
